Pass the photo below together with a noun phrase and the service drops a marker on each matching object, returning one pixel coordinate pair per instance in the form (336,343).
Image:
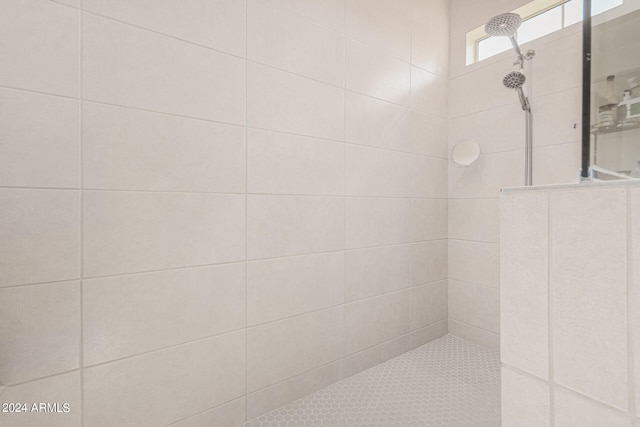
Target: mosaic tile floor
(447,382)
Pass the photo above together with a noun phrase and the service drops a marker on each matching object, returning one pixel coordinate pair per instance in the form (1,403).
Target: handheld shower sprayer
(515,80)
(506,25)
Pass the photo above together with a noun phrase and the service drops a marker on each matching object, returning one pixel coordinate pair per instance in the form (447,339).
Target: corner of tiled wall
(209,210)
(483,110)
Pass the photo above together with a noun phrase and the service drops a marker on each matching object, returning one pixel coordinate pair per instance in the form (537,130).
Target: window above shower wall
(539,18)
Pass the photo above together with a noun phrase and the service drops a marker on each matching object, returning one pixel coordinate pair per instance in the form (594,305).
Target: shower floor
(447,382)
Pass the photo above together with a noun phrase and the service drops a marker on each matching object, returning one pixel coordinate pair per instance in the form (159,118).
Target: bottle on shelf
(607,112)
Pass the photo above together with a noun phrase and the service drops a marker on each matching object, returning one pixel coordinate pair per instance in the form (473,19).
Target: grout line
(221,264)
(473,326)
(46,377)
(81,169)
(112,104)
(550,319)
(631,326)
(221,194)
(246,206)
(169,347)
(342,359)
(212,408)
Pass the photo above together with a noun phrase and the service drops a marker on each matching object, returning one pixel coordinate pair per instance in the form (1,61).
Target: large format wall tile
(474,219)
(428,262)
(184,380)
(286,102)
(488,129)
(126,232)
(375,271)
(292,225)
(428,219)
(378,319)
(40,142)
(230,414)
(487,176)
(475,305)
(39,48)
(277,395)
(383,24)
(525,401)
(39,331)
(283,287)
(571,409)
(279,163)
(429,92)
(280,350)
(60,389)
(588,279)
(127,315)
(474,262)
(429,304)
(634,287)
(381,173)
(125,149)
(376,222)
(371,72)
(219,24)
(277,36)
(429,46)
(524,287)
(132,67)
(40,232)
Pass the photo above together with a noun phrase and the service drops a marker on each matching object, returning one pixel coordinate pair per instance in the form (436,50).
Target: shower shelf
(603,130)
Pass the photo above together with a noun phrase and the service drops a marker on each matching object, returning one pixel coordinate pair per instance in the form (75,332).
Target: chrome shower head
(514,80)
(503,25)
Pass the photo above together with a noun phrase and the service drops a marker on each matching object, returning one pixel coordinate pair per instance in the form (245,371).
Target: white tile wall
(569,280)
(219,24)
(283,287)
(378,319)
(375,271)
(280,350)
(40,48)
(474,262)
(372,72)
(193,81)
(40,236)
(292,225)
(127,232)
(185,182)
(525,401)
(476,305)
(278,100)
(184,380)
(279,38)
(279,163)
(524,255)
(126,149)
(590,328)
(572,409)
(132,314)
(36,315)
(40,142)
(634,289)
